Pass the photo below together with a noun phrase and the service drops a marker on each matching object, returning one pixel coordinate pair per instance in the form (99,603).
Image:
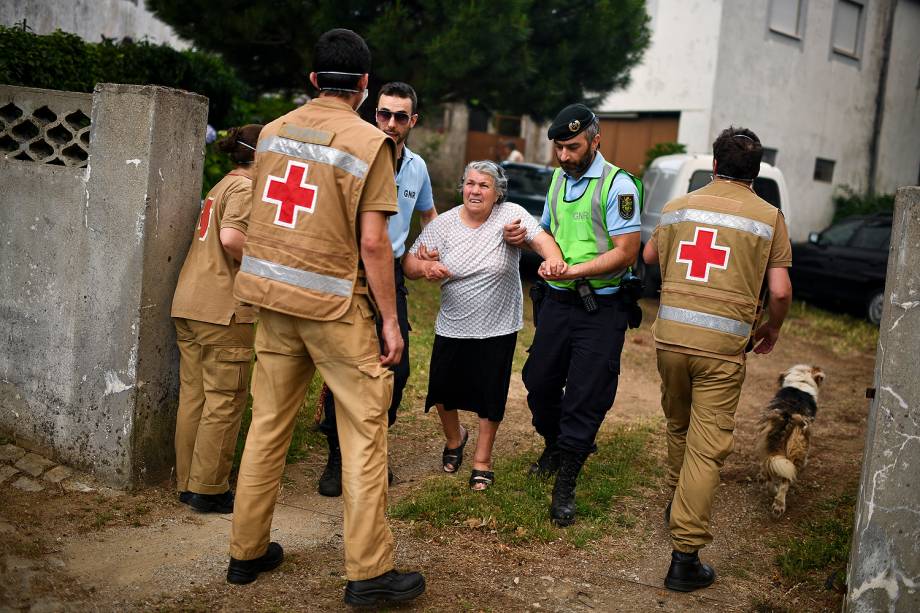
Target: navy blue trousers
(572,371)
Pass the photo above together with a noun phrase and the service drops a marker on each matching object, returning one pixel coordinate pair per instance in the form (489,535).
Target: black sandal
(454,457)
(481,477)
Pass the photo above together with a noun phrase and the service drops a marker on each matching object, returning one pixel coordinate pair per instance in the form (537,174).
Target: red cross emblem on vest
(204,220)
(290,194)
(702,254)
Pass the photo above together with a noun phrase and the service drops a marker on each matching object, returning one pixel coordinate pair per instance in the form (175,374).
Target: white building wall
(90,19)
(899,146)
(801,99)
(678,70)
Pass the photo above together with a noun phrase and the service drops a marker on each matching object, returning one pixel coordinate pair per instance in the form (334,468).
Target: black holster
(630,292)
(537,296)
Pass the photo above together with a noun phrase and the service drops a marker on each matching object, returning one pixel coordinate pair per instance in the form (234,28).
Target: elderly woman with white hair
(481,309)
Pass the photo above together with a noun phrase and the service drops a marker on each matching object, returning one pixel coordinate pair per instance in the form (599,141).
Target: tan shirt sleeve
(380,186)
(237,204)
(781,249)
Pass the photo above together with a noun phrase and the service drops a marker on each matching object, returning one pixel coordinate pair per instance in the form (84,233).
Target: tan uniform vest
(301,255)
(205,288)
(714,246)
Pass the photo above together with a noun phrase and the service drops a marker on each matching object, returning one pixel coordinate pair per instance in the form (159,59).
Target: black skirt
(472,374)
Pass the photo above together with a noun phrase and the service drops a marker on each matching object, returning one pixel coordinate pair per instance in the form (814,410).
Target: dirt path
(82,551)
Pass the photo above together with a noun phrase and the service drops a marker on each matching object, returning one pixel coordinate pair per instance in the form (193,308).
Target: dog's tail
(797,442)
(781,467)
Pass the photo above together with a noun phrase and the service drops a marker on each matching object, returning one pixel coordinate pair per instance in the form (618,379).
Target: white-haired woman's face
(479,193)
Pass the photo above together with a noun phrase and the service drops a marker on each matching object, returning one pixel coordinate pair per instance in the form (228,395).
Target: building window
(849,18)
(787,17)
(824,170)
(769,156)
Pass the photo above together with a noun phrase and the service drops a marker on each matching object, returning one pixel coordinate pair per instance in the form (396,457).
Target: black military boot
(562,509)
(547,464)
(391,586)
(330,483)
(687,573)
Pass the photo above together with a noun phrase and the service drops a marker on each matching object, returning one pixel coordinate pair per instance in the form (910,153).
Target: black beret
(571,121)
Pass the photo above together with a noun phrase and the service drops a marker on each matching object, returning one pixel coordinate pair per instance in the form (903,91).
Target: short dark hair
(340,51)
(400,90)
(737,152)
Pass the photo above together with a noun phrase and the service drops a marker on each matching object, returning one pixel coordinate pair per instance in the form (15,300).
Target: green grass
(516,507)
(840,333)
(821,545)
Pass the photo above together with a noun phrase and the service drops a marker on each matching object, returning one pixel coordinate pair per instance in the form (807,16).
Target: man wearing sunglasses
(396,116)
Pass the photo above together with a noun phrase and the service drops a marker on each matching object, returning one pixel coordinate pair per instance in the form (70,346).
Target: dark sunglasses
(383,116)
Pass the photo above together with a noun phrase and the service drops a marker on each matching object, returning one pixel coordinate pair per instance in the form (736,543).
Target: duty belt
(571,297)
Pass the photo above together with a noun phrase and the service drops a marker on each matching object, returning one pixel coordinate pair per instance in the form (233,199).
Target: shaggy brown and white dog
(785,430)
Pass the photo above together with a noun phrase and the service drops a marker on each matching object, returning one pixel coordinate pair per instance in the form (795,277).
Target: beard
(579,168)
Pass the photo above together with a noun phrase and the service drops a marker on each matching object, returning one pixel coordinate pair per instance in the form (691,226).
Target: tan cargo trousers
(214,378)
(699,396)
(346,353)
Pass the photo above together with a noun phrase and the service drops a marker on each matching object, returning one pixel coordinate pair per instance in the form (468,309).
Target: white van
(671,176)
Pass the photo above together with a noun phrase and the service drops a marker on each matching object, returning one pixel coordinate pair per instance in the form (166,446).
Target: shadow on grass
(516,507)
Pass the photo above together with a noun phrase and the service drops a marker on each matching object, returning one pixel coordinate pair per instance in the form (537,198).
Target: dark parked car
(845,264)
(527,186)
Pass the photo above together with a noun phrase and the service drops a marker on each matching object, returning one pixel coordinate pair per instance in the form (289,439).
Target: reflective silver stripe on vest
(292,276)
(758,228)
(315,153)
(704,320)
(601,238)
(553,198)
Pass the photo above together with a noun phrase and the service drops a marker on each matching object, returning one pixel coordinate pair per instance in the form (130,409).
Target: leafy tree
(516,56)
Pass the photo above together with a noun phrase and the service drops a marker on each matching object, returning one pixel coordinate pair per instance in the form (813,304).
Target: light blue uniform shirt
(616,225)
(413,187)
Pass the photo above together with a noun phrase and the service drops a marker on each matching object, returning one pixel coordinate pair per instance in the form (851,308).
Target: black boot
(246,571)
(687,573)
(562,509)
(330,483)
(391,586)
(547,464)
(212,503)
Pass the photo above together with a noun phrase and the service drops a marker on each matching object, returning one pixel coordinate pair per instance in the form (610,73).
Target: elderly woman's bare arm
(416,268)
(553,263)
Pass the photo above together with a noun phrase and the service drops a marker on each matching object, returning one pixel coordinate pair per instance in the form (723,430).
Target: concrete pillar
(884,566)
(91,376)
(539,148)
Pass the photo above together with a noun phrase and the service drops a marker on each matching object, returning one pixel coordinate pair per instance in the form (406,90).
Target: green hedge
(849,202)
(66,62)
(660,149)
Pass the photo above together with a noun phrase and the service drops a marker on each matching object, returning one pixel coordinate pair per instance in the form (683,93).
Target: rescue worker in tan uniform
(718,248)
(214,333)
(316,254)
